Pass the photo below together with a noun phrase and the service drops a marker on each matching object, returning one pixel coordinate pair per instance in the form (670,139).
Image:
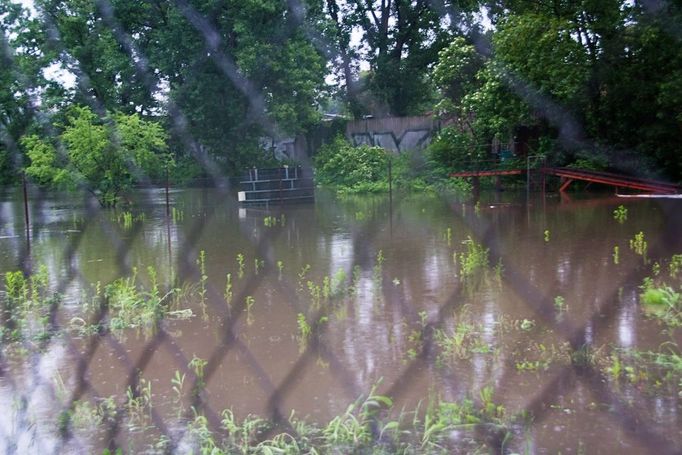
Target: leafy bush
(364,169)
(352,169)
(454,150)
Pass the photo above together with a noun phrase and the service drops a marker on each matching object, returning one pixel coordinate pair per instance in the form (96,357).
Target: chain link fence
(23,370)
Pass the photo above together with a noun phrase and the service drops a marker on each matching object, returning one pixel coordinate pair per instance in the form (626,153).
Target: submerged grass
(369,425)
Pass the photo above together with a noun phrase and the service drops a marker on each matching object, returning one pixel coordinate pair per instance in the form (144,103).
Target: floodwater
(394,269)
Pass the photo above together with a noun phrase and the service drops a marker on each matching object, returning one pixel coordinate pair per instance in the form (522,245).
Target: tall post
(167,193)
(390,194)
(527,190)
(390,177)
(26,216)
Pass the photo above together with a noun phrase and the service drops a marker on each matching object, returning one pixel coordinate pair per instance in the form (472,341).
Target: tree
(104,156)
(400,41)
(23,85)
(595,78)
(89,49)
(220,59)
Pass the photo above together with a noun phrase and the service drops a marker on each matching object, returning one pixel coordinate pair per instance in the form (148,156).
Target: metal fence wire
(23,369)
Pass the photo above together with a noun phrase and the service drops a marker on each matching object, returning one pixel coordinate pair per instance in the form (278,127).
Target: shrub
(354,169)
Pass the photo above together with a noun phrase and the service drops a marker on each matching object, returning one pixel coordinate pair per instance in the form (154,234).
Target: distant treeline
(199,83)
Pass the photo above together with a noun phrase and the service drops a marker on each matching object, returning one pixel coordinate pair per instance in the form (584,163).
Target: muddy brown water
(545,247)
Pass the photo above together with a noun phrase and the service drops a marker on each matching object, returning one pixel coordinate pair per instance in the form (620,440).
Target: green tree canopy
(106,157)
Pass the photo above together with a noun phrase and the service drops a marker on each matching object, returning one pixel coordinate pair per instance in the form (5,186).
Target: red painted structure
(568,175)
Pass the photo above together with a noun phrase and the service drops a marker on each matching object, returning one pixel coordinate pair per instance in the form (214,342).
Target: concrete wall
(397,134)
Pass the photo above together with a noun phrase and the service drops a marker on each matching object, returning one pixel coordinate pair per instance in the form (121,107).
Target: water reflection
(374,329)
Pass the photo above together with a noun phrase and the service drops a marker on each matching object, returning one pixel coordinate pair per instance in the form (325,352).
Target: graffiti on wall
(409,140)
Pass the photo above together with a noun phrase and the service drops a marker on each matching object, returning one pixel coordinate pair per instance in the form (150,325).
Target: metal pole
(390,178)
(527,178)
(390,195)
(167,195)
(26,216)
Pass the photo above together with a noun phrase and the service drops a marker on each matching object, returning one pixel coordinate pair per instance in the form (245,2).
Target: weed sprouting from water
(270,221)
(304,331)
(250,301)
(177,214)
(355,280)
(201,263)
(620,214)
(560,304)
(197,365)
(663,302)
(131,306)
(228,290)
(25,307)
(302,275)
(474,260)
(616,255)
(546,235)
(639,245)
(378,269)
(178,383)
(138,403)
(675,266)
(258,265)
(240,264)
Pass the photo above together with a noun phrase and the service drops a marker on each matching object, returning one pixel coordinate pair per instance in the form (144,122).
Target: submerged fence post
(390,194)
(26,216)
(390,177)
(167,195)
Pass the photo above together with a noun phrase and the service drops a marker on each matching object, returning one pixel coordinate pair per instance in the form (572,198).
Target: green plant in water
(546,234)
(620,214)
(138,403)
(560,303)
(355,280)
(258,264)
(249,305)
(526,325)
(583,356)
(663,302)
(197,365)
(639,245)
(201,263)
(280,268)
(656,269)
(132,306)
(178,385)
(675,265)
(270,221)
(616,368)
(301,276)
(177,215)
(304,331)
(378,268)
(474,260)
(616,255)
(315,293)
(228,290)
(127,219)
(240,264)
